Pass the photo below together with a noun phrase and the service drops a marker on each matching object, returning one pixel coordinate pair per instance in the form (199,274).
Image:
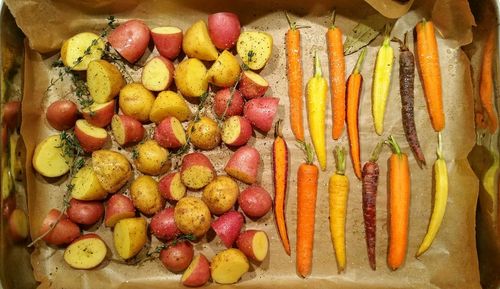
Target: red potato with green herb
(171,186)
(244,164)
(85,212)
(236,131)
(224,29)
(220,195)
(254,244)
(197,171)
(61,114)
(228,227)
(11,113)
(163,225)
(130,39)
(136,101)
(168,41)
(198,272)
(118,207)
(252,85)
(255,201)
(18,225)
(99,114)
(127,130)
(170,133)
(261,111)
(86,252)
(157,74)
(62,233)
(177,257)
(104,81)
(228,102)
(90,137)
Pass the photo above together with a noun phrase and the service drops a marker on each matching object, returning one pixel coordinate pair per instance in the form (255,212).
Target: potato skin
(145,195)
(255,201)
(176,258)
(136,101)
(63,233)
(85,212)
(130,39)
(204,134)
(193,179)
(62,114)
(261,111)
(163,225)
(244,164)
(224,29)
(221,194)
(152,159)
(111,168)
(221,99)
(192,216)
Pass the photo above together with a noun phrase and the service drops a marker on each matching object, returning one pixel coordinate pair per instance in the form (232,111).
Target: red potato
(99,114)
(168,41)
(85,212)
(130,39)
(228,227)
(86,252)
(176,258)
(244,164)
(224,29)
(157,74)
(197,171)
(252,85)
(236,131)
(127,130)
(12,113)
(221,100)
(170,134)
(198,272)
(163,225)
(261,111)
(8,206)
(118,207)
(171,186)
(18,225)
(254,244)
(255,201)
(62,114)
(91,138)
(63,233)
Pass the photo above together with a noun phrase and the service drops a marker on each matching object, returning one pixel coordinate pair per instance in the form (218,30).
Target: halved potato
(104,81)
(112,169)
(255,48)
(169,103)
(191,78)
(225,71)
(49,159)
(75,47)
(197,42)
(86,252)
(86,186)
(129,236)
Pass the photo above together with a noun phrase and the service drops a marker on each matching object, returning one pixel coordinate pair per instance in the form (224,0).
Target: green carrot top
(339,154)
(376,152)
(361,57)
(306,147)
(317,66)
(391,141)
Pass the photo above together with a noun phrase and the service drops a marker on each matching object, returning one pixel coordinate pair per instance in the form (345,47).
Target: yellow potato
(86,186)
(146,196)
(49,159)
(169,103)
(192,216)
(191,78)
(136,101)
(221,194)
(225,71)
(228,266)
(111,168)
(104,81)
(75,47)
(129,236)
(204,134)
(197,42)
(151,158)
(255,48)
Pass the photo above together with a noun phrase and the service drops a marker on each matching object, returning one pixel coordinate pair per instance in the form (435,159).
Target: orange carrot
(307,187)
(354,83)
(294,73)
(280,175)
(486,83)
(337,77)
(399,201)
(428,60)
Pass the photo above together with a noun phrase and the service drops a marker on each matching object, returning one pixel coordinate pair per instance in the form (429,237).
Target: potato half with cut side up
(254,244)
(75,47)
(157,74)
(129,236)
(225,71)
(104,81)
(86,252)
(191,78)
(228,266)
(49,159)
(86,185)
(90,137)
(169,103)
(196,171)
(255,48)
(168,40)
(112,169)
(236,131)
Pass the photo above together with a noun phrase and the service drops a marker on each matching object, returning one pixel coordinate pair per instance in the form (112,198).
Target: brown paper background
(450,263)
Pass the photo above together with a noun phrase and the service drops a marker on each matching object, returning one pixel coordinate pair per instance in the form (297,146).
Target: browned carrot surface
(486,84)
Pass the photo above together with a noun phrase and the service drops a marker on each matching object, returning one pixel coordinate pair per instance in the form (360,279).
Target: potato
(261,111)
(196,171)
(255,201)
(224,29)
(62,114)
(91,138)
(85,212)
(86,185)
(192,216)
(255,48)
(169,103)
(244,164)
(11,113)
(130,39)
(49,159)
(225,71)
(254,244)
(252,85)
(63,233)
(228,227)
(99,114)
(198,272)
(75,47)
(191,78)
(136,101)
(18,225)
(171,187)
(221,195)
(168,41)
(176,258)
(86,252)
(170,133)
(228,266)
(151,158)
(157,74)
(163,225)
(112,169)
(127,130)
(129,236)
(145,195)
(104,81)
(230,103)
(8,206)
(204,133)
(118,207)
(197,42)
(236,131)
(17,155)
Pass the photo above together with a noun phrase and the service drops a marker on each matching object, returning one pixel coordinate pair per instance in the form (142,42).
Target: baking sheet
(452,260)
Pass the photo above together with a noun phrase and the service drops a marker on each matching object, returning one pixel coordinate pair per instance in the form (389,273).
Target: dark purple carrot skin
(370,175)
(406,82)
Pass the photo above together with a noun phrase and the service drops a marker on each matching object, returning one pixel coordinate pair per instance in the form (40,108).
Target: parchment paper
(450,263)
